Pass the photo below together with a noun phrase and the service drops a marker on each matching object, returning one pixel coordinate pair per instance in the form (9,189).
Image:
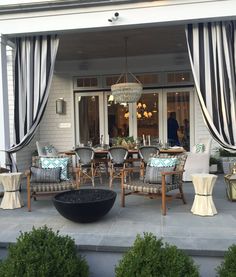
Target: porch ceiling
(110,43)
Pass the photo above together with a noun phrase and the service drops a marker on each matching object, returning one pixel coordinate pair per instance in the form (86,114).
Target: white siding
(61,138)
(200,128)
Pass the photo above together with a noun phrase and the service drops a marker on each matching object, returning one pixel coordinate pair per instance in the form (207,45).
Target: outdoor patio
(115,232)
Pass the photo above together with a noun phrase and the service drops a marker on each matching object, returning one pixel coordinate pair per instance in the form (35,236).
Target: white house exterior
(74,18)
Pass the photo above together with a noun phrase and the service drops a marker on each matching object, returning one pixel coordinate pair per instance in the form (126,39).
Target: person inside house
(172,128)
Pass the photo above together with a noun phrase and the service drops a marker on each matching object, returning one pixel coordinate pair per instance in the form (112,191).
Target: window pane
(88,119)
(148,115)
(118,119)
(178,119)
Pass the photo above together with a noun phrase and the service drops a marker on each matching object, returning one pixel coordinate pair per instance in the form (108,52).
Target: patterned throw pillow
(200,148)
(57,162)
(162,162)
(48,175)
(157,165)
(50,151)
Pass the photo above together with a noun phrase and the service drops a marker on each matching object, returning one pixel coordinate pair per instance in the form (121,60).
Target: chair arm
(172,172)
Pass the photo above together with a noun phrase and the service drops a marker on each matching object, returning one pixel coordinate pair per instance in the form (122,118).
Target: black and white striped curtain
(212,52)
(34,65)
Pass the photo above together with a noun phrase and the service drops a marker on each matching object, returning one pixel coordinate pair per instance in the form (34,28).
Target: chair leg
(141,174)
(111,177)
(122,190)
(122,197)
(163,195)
(28,194)
(92,175)
(182,194)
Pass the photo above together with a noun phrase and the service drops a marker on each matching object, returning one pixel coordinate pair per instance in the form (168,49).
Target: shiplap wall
(50,130)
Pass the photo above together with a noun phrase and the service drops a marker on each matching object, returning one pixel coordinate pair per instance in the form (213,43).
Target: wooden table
(171,151)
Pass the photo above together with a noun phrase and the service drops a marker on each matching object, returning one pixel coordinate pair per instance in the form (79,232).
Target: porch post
(4,108)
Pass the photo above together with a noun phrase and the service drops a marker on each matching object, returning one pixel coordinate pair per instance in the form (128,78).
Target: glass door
(148,111)
(179,104)
(118,118)
(88,118)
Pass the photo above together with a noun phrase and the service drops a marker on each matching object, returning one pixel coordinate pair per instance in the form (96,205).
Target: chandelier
(125,91)
(142,112)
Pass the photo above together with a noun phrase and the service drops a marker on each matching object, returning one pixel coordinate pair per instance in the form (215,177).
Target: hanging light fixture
(126,91)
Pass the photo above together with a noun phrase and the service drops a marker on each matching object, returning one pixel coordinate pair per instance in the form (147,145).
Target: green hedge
(150,257)
(43,253)
(228,266)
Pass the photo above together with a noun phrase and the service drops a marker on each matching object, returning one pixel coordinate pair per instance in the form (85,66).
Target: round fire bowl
(84,205)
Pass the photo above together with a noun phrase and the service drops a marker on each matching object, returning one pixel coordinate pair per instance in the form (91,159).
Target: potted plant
(127,142)
(150,257)
(214,162)
(227,160)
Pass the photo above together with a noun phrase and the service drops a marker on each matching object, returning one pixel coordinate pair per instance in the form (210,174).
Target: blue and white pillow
(57,162)
(162,162)
(157,165)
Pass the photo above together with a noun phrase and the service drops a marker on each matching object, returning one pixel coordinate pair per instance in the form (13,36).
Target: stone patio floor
(201,236)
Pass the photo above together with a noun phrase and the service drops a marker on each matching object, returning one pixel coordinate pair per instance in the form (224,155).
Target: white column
(4,108)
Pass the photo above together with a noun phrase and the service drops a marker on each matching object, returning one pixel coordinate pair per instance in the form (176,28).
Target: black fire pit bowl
(84,205)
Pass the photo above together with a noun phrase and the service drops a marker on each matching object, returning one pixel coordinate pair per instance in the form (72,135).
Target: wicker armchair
(157,190)
(38,188)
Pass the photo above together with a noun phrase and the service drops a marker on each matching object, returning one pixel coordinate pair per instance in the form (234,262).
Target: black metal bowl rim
(113,194)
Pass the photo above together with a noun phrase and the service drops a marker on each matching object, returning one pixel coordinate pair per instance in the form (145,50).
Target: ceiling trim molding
(52,5)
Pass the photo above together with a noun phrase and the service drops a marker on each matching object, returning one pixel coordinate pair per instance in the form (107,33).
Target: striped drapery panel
(212,52)
(34,65)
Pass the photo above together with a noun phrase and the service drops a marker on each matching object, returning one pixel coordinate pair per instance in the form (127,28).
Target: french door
(98,115)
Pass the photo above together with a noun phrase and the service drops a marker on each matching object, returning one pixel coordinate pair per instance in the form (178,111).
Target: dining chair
(117,162)
(88,168)
(145,152)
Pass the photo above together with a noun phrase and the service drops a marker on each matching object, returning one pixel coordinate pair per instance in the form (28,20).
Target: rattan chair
(145,152)
(88,168)
(117,162)
(37,189)
(157,190)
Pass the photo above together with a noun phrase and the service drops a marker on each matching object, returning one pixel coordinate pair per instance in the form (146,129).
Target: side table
(11,184)
(203,203)
(2,170)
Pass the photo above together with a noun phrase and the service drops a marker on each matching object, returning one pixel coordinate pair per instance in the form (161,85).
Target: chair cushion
(48,175)
(149,188)
(157,165)
(57,162)
(52,187)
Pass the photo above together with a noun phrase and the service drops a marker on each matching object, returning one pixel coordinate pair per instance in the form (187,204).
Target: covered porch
(157,54)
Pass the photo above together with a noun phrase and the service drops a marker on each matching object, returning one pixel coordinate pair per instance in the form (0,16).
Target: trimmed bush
(228,266)
(150,257)
(43,253)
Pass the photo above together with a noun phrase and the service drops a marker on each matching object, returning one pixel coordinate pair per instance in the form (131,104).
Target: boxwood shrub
(228,266)
(43,253)
(150,257)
